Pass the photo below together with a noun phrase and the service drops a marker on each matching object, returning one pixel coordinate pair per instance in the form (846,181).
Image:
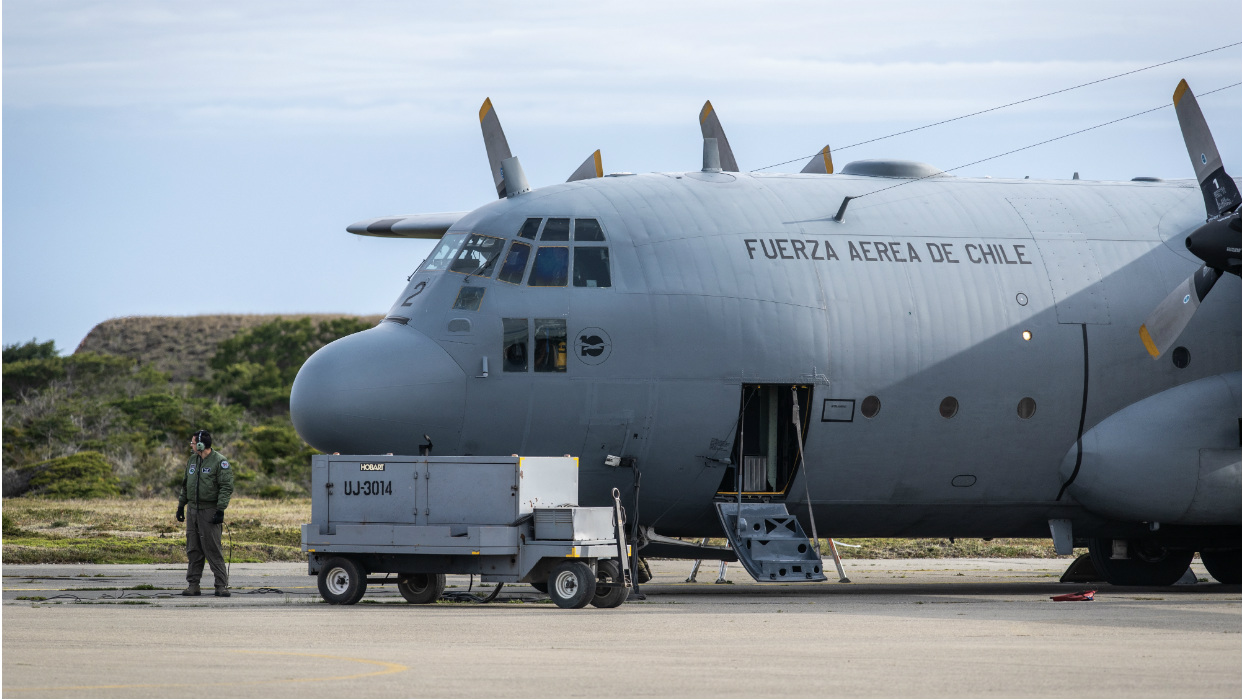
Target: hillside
(181,345)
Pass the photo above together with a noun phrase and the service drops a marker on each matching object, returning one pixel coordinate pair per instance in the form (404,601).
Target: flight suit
(207,487)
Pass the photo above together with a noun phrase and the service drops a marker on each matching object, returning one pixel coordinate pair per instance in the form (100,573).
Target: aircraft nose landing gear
(1138,562)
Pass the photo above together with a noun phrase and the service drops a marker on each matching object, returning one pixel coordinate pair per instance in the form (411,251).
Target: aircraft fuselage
(952,340)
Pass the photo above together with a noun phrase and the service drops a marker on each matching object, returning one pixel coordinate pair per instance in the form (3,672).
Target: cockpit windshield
(478,256)
(443,253)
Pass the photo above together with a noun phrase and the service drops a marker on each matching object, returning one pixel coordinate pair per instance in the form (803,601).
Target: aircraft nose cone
(379,391)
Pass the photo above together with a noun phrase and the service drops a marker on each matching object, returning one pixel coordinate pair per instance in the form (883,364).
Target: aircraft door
(765,444)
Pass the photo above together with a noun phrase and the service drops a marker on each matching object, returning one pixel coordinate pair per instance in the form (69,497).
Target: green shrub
(256,368)
(30,350)
(83,475)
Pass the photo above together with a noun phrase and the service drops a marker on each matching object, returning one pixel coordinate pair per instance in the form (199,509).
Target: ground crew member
(207,487)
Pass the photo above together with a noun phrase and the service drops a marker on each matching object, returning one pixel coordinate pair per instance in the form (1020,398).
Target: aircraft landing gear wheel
(1149,563)
(609,597)
(541,586)
(342,581)
(1225,566)
(421,588)
(571,585)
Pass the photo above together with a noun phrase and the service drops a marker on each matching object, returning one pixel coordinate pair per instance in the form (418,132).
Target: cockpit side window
(443,253)
(530,228)
(556,229)
(591,267)
(517,336)
(550,345)
(478,256)
(551,267)
(588,230)
(514,267)
(469,298)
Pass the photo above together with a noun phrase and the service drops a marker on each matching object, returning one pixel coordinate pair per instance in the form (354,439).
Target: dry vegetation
(122,530)
(119,530)
(179,345)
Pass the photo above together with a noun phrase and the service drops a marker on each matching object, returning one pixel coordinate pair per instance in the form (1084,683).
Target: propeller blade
(494,141)
(593,166)
(1220,193)
(1170,318)
(710,124)
(820,163)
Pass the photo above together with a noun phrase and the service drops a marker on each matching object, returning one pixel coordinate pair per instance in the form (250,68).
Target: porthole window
(1181,357)
(870,407)
(948,407)
(1026,408)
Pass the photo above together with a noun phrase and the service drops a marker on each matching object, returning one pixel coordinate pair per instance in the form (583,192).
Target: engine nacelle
(1172,458)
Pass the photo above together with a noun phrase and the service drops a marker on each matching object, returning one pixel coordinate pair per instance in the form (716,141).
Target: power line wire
(1033,145)
(1011,104)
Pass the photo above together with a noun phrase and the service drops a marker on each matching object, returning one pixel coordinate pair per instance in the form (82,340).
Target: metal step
(770,543)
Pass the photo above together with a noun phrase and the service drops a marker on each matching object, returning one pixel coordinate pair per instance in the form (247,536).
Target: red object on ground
(1084,596)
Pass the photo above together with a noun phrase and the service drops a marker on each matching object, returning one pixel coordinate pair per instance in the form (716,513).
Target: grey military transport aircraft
(944,357)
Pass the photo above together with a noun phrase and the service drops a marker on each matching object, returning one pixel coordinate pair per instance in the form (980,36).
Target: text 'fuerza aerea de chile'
(893,251)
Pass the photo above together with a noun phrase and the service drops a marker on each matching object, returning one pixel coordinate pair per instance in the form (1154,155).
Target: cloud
(386,63)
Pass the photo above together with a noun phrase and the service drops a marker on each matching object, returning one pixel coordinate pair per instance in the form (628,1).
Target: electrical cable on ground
(469,596)
(1003,106)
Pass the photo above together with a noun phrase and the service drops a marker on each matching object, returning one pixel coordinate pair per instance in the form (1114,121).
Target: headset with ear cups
(198,440)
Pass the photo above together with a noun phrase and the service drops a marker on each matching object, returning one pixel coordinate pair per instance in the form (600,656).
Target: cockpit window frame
(484,271)
(534,234)
(525,263)
(533,265)
(603,237)
(547,223)
(446,243)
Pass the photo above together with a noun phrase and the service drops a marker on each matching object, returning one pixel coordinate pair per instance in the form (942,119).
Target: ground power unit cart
(412,519)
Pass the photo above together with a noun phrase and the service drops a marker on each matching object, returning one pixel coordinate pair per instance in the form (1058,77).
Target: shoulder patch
(224,464)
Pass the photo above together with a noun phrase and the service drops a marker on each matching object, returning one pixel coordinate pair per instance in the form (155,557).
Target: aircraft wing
(425,226)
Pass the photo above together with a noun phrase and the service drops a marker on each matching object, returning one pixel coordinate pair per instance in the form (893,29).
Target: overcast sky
(182,158)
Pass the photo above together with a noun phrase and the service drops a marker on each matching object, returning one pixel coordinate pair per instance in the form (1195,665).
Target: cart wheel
(609,597)
(541,586)
(571,585)
(421,588)
(342,581)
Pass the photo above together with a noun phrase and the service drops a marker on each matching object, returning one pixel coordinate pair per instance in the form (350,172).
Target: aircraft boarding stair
(770,543)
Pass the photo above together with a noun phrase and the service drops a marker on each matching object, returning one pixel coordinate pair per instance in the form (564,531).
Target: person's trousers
(202,542)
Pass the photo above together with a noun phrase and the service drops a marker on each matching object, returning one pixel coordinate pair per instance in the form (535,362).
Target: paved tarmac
(960,627)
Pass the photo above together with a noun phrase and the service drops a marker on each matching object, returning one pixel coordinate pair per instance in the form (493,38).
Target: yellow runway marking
(388,669)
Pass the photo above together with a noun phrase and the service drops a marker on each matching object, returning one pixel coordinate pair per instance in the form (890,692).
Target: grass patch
(120,530)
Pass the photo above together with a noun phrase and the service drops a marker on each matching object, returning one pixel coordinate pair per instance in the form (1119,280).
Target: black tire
(1225,566)
(342,581)
(571,585)
(609,597)
(541,586)
(421,588)
(1149,563)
